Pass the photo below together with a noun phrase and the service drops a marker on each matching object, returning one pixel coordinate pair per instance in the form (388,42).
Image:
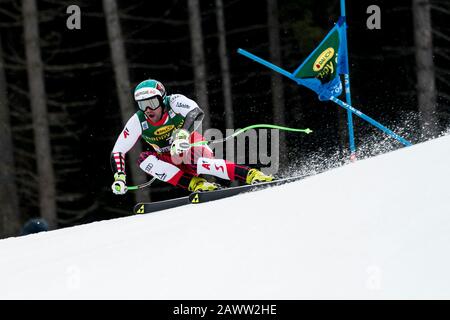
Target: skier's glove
(119,186)
(180,142)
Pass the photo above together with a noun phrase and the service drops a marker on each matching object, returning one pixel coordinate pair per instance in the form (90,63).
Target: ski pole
(141,186)
(266,126)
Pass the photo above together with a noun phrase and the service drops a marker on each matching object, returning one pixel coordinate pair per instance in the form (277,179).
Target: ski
(149,207)
(201,197)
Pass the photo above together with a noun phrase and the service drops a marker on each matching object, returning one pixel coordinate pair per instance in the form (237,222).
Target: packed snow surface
(374,229)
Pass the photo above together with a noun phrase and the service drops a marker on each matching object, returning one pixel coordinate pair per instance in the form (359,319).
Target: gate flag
(321,71)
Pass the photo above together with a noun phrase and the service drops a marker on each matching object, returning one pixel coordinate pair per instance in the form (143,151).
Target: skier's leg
(200,160)
(203,162)
(150,163)
(221,168)
(230,171)
(160,166)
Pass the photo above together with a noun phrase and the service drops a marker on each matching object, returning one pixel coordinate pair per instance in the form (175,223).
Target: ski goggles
(152,103)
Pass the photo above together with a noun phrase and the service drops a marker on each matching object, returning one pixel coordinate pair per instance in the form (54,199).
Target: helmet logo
(146,93)
(161,88)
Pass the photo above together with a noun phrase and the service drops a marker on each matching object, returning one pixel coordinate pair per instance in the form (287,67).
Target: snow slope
(377,228)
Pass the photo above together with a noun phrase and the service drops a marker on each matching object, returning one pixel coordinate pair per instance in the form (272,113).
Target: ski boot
(199,184)
(256,176)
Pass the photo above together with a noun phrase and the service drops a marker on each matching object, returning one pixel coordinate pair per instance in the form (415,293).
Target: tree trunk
(224,66)
(38,100)
(198,59)
(276,79)
(123,86)
(10,217)
(426,87)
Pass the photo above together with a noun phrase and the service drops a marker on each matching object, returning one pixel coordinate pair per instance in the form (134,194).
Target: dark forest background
(84,114)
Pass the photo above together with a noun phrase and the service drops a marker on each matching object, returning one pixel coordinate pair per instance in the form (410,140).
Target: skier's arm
(189,109)
(193,119)
(126,140)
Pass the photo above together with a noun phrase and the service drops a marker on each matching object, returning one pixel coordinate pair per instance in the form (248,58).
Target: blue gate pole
(348,96)
(371,121)
(335,100)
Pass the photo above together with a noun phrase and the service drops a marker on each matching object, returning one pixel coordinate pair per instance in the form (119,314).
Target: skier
(168,124)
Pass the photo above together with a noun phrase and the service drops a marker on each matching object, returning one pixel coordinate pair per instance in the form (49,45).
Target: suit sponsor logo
(144,125)
(174,97)
(161,176)
(126,133)
(183,105)
(164,130)
(157,139)
(219,168)
(149,167)
(206,165)
(160,149)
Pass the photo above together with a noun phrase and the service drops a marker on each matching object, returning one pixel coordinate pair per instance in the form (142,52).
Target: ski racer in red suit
(166,123)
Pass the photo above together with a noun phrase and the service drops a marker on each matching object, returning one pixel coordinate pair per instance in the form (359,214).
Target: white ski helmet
(149,93)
